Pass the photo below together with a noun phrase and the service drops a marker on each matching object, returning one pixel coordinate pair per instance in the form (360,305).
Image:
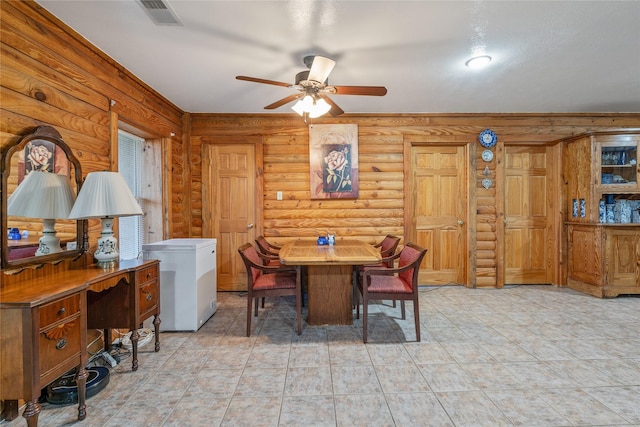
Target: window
(130,165)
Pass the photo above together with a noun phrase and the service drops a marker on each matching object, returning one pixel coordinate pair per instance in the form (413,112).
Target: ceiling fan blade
(335,110)
(268,82)
(358,90)
(321,68)
(282,101)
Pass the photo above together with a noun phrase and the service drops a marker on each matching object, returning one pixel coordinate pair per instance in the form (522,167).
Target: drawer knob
(62,343)
(149,297)
(148,275)
(62,311)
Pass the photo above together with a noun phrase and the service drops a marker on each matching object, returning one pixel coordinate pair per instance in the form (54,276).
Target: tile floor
(519,356)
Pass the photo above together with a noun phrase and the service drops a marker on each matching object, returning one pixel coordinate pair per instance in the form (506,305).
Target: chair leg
(354,286)
(299,312)
(416,314)
(365,306)
(256,310)
(404,314)
(249,302)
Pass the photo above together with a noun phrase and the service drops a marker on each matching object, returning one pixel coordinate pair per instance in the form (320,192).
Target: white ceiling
(548,56)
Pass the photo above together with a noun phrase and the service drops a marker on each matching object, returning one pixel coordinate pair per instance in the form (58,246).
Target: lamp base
(107,254)
(49,243)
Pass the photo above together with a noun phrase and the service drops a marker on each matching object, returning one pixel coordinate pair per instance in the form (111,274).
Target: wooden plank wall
(379,210)
(50,75)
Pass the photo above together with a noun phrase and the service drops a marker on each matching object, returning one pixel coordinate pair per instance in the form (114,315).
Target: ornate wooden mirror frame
(13,169)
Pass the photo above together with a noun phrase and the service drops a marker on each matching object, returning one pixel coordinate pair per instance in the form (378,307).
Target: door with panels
(531,215)
(438,206)
(229,207)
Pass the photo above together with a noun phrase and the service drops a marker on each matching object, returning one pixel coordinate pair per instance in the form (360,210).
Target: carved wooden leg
(31,413)
(134,349)
(81,383)
(156,327)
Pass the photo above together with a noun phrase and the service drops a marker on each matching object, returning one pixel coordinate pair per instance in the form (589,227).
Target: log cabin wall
(382,141)
(51,75)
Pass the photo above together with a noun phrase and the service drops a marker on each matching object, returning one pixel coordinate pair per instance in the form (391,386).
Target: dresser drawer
(147,274)
(149,295)
(59,344)
(58,310)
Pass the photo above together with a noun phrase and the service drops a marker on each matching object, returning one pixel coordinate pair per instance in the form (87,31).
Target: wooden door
(439,212)
(231,208)
(530,246)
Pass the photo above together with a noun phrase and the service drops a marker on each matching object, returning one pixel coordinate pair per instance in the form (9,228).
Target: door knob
(460,222)
(249,227)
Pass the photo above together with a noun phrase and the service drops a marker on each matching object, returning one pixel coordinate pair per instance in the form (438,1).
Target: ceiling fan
(312,89)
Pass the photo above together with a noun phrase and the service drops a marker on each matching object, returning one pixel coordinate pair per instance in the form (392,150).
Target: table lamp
(105,195)
(47,196)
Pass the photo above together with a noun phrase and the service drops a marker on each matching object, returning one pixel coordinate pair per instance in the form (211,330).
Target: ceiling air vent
(160,12)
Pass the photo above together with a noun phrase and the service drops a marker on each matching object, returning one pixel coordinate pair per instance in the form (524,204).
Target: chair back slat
(410,254)
(248,252)
(388,245)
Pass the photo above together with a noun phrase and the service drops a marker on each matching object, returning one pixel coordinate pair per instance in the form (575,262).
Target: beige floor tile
(401,379)
(305,411)
(518,356)
(253,411)
(302,381)
(526,408)
(309,355)
(417,409)
(581,408)
(363,410)
(355,380)
(197,411)
(261,382)
(472,408)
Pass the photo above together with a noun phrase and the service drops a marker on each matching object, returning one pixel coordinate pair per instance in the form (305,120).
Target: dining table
(329,275)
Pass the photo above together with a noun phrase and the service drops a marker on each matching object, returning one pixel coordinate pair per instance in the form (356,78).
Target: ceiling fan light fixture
(303,105)
(312,106)
(478,62)
(320,107)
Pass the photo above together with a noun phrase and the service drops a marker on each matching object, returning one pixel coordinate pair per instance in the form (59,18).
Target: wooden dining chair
(266,247)
(387,248)
(269,281)
(399,283)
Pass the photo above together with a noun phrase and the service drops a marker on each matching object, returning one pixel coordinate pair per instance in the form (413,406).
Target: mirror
(40,149)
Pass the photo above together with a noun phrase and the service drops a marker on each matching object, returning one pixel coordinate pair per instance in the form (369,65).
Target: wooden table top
(344,252)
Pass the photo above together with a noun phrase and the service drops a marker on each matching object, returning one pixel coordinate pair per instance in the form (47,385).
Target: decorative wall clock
(488,138)
(487,155)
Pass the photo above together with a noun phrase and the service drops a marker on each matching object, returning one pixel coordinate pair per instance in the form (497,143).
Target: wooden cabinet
(125,299)
(603,213)
(44,320)
(603,259)
(600,167)
(42,338)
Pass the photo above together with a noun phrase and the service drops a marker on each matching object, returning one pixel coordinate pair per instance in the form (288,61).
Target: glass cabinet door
(619,165)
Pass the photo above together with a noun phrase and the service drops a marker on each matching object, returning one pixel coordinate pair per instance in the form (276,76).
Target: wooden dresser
(44,316)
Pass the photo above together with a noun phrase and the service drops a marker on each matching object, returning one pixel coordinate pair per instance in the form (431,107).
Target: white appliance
(187,281)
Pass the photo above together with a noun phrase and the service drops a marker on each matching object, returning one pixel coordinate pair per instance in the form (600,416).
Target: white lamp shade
(320,107)
(42,195)
(105,194)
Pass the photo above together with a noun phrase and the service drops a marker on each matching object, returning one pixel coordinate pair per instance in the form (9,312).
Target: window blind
(130,159)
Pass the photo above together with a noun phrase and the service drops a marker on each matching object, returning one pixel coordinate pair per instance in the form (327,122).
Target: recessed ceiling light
(478,61)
